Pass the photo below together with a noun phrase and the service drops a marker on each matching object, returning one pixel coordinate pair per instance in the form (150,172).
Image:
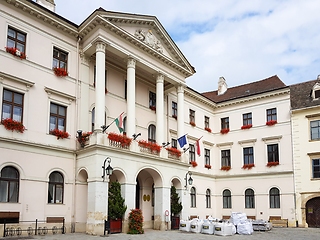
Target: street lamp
(190,180)
(106,170)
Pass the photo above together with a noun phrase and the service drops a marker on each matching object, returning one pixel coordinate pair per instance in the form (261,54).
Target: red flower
(16,52)
(174,116)
(153,108)
(152,146)
(270,123)
(224,131)
(248,166)
(194,163)
(246,126)
(123,139)
(59,134)
(192,124)
(207,129)
(60,72)
(10,124)
(225,168)
(207,166)
(84,137)
(271,164)
(174,151)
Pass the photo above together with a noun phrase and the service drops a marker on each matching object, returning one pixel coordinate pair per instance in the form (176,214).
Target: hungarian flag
(119,123)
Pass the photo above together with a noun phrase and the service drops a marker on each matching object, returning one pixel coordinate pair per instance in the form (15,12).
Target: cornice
(224,144)
(44,16)
(199,97)
(16,79)
(61,94)
(253,98)
(271,138)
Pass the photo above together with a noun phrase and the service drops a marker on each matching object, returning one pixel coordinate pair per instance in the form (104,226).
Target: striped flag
(119,123)
(198,147)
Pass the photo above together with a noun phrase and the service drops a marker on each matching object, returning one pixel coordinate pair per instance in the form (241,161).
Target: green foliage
(135,222)
(176,206)
(116,207)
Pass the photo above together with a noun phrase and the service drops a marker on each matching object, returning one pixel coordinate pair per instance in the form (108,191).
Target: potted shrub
(135,222)
(176,206)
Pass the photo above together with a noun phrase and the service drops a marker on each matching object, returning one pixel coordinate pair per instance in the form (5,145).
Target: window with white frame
(12,105)
(208,198)
(192,153)
(152,133)
(58,116)
(207,156)
(315,129)
(249,198)
(55,191)
(248,155)
(16,39)
(9,185)
(226,195)
(273,153)
(193,197)
(316,168)
(274,195)
(225,158)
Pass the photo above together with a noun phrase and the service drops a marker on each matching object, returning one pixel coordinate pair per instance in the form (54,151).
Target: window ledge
(315,179)
(59,204)
(314,140)
(10,203)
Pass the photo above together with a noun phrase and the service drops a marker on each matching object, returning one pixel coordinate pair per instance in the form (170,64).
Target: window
(152,196)
(192,154)
(105,117)
(9,185)
(174,110)
(273,154)
(274,195)
(57,117)
(12,105)
(208,198)
(248,155)
(316,168)
(206,122)
(152,133)
(55,192)
(271,114)
(193,197)
(225,158)
(125,89)
(225,123)
(60,58)
(249,198)
(174,143)
(125,126)
(317,93)
(315,129)
(247,119)
(207,156)
(16,39)
(226,198)
(192,115)
(152,100)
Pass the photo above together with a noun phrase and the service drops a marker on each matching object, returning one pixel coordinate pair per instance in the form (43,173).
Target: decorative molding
(16,79)
(173,131)
(208,143)
(84,58)
(192,138)
(247,141)
(199,97)
(100,46)
(131,63)
(271,138)
(149,38)
(61,94)
(313,154)
(313,115)
(224,144)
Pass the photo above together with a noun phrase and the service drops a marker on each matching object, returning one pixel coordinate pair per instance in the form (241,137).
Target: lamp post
(190,180)
(106,170)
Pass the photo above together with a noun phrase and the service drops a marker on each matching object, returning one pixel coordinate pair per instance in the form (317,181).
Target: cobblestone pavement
(274,234)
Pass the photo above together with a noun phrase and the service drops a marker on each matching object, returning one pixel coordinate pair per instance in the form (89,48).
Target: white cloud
(243,41)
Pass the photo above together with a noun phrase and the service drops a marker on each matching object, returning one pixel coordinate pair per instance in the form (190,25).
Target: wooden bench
(278,222)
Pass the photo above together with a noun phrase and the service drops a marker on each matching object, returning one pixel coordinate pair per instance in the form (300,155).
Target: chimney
(49,4)
(222,86)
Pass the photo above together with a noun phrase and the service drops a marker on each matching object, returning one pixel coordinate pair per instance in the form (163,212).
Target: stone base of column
(95,228)
(125,226)
(158,224)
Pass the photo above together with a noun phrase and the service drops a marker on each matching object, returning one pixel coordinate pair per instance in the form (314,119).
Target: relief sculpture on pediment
(149,39)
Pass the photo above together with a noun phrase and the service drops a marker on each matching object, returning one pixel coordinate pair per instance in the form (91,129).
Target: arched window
(55,192)
(193,197)
(249,198)
(152,133)
(93,112)
(125,126)
(208,198)
(274,195)
(226,199)
(9,185)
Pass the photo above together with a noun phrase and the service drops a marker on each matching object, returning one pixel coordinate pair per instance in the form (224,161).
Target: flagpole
(112,122)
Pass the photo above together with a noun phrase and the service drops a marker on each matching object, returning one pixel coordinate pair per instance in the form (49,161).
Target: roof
(262,86)
(300,95)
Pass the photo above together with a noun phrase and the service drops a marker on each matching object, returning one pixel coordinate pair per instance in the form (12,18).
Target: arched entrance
(313,212)
(81,202)
(149,197)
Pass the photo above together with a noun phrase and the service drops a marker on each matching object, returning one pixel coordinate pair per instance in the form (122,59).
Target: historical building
(305,114)
(62,80)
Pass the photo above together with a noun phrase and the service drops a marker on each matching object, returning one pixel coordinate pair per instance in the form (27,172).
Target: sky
(243,41)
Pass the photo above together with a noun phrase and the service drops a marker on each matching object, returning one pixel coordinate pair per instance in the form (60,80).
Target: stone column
(100,86)
(162,203)
(180,120)
(84,93)
(160,110)
(128,192)
(97,210)
(131,97)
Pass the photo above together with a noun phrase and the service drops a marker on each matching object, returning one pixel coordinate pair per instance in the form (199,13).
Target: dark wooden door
(313,212)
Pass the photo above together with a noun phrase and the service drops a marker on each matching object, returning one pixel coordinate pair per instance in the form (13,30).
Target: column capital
(100,46)
(180,88)
(84,58)
(160,78)
(131,62)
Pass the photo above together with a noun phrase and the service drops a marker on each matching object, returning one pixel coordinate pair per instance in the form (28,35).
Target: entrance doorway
(313,212)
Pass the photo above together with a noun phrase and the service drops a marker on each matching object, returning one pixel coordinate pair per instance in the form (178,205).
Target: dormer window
(316,91)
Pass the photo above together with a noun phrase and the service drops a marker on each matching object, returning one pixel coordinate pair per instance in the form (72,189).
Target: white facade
(130,52)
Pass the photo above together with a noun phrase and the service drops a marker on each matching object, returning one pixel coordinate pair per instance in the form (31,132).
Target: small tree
(116,207)
(176,206)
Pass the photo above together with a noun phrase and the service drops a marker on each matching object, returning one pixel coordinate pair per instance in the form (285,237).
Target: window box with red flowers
(224,131)
(153,108)
(246,126)
(207,166)
(174,116)
(207,129)
(60,72)
(105,90)
(248,166)
(192,124)
(270,123)
(84,137)
(225,168)
(149,147)
(118,140)
(272,164)
(173,152)
(10,124)
(194,163)
(16,52)
(59,134)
